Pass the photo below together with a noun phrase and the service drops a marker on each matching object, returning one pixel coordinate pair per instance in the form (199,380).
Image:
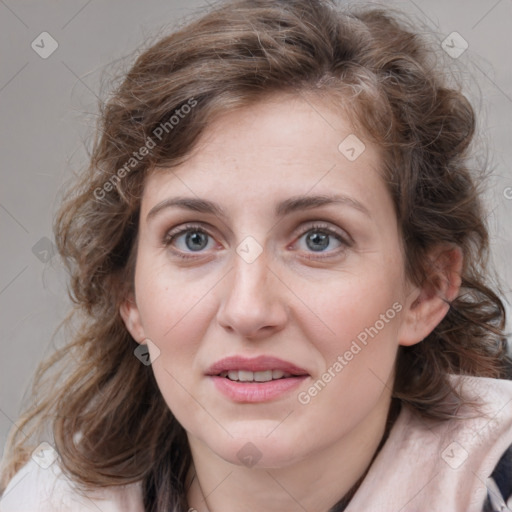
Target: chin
(256,448)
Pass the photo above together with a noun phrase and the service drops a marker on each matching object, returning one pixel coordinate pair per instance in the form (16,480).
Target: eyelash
(173,234)
(325,229)
(322,228)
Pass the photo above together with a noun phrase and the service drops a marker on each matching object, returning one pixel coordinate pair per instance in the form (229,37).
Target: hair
(109,421)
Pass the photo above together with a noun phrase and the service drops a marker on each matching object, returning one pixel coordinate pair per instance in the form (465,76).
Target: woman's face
(270,282)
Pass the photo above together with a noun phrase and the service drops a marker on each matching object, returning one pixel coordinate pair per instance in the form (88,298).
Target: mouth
(255,369)
(261,376)
(249,380)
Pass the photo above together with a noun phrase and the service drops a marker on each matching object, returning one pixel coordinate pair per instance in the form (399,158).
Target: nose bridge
(252,301)
(250,277)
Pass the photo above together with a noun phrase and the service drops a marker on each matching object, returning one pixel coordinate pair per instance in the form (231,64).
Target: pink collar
(433,466)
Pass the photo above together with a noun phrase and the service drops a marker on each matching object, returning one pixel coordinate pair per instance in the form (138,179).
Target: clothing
(424,466)
(34,489)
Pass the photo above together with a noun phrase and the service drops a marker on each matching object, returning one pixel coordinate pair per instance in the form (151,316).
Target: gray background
(48,107)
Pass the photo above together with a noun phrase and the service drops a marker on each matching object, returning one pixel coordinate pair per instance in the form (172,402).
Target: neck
(326,479)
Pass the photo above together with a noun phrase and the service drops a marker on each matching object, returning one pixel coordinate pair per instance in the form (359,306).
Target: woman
(278,256)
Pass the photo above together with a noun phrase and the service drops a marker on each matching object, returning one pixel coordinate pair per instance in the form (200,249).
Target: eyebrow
(307,202)
(286,207)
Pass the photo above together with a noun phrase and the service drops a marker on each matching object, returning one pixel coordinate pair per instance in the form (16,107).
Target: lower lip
(256,391)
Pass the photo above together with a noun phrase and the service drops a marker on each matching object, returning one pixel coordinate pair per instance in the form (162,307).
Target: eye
(320,238)
(189,238)
(317,238)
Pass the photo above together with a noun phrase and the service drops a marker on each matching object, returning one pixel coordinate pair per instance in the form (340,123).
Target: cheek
(175,317)
(357,307)
(358,356)
(172,304)
(358,349)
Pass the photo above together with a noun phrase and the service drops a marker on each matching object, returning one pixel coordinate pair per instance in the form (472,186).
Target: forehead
(283,145)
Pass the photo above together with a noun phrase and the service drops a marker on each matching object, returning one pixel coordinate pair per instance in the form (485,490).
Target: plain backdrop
(48,107)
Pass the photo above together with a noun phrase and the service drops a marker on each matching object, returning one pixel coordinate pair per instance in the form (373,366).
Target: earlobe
(428,303)
(129,312)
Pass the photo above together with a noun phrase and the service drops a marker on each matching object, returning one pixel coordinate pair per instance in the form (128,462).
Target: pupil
(320,239)
(195,237)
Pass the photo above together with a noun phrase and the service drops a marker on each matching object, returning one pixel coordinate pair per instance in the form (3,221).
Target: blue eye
(196,240)
(192,238)
(322,239)
(319,240)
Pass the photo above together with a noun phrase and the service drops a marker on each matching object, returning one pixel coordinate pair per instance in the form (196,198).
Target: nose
(252,304)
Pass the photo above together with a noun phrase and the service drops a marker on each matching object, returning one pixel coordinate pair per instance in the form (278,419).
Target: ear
(427,304)
(129,312)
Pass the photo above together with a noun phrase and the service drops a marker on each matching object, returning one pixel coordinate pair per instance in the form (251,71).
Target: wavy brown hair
(374,66)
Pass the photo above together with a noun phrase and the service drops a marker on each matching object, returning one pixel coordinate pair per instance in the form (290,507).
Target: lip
(253,392)
(254,364)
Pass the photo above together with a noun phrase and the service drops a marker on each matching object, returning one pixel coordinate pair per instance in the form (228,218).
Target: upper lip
(254,364)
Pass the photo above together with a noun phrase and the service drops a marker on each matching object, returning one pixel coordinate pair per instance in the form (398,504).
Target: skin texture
(302,305)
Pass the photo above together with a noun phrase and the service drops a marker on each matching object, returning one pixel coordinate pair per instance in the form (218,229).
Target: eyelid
(345,240)
(322,225)
(187,226)
(340,234)
(177,231)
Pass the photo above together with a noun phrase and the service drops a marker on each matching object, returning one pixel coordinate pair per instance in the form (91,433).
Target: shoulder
(37,488)
(462,460)
(499,484)
(490,392)
(484,443)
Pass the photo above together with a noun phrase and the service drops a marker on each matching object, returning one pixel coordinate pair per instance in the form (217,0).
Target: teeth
(263,376)
(247,376)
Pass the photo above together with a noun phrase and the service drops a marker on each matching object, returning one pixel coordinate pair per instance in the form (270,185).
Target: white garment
(424,466)
(34,489)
